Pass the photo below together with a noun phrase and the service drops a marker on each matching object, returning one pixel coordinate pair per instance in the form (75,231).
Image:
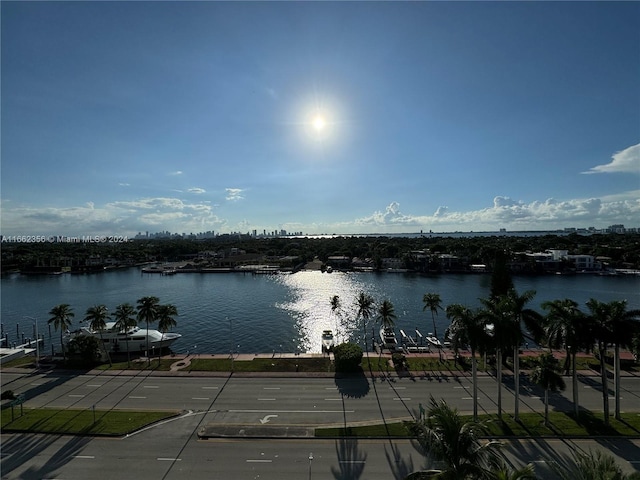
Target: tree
(125,320)
(97,317)
(165,320)
(433,302)
(612,323)
(501,333)
(504,472)
(456,443)
(546,375)
(61,320)
(532,321)
(592,465)
(364,305)
(501,281)
(336,308)
(86,348)
(148,313)
(566,327)
(467,328)
(348,357)
(386,314)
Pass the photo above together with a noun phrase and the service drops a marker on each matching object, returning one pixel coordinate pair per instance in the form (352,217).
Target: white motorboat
(136,339)
(388,338)
(327,340)
(433,340)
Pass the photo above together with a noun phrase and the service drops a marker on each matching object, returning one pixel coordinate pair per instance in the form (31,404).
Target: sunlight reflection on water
(310,306)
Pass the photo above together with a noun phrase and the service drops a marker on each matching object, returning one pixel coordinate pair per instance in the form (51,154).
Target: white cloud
(234,194)
(625,161)
(115,218)
(196,190)
(177,172)
(124,184)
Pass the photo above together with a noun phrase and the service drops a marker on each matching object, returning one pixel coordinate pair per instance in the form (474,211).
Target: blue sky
(320,117)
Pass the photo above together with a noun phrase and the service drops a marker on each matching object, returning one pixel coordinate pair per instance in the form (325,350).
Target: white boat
(388,338)
(407,340)
(136,339)
(327,340)
(433,340)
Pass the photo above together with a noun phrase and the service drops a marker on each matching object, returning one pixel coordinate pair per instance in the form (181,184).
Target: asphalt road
(174,450)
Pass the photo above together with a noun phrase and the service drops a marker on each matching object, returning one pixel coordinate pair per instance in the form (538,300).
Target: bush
(348,357)
(399,360)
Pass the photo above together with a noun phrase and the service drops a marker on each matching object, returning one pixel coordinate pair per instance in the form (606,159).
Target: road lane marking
(259,461)
(84,456)
(402,398)
(352,461)
(291,411)
(210,388)
(139,398)
(94,385)
(330,388)
(168,459)
(76,395)
(470,398)
(200,398)
(271,388)
(267,399)
(332,399)
(397,388)
(150,386)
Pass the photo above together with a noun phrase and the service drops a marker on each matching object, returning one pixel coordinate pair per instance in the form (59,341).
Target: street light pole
(310,459)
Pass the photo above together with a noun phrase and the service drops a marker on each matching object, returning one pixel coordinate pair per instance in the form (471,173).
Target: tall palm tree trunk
(574,370)
(605,385)
(474,376)
(516,381)
(546,407)
(499,380)
(616,366)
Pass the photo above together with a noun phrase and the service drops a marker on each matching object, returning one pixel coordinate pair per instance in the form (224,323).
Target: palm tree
(148,313)
(532,321)
(546,375)
(566,326)
(504,472)
(497,316)
(364,304)
(592,465)
(335,310)
(165,320)
(97,317)
(615,324)
(433,302)
(125,319)
(455,442)
(61,320)
(386,314)
(467,328)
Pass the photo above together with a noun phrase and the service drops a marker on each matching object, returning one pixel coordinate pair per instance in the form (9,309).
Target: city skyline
(319,117)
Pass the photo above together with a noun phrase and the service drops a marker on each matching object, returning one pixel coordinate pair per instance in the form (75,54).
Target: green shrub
(348,357)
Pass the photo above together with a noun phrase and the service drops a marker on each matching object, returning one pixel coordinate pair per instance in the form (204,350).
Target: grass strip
(531,425)
(78,422)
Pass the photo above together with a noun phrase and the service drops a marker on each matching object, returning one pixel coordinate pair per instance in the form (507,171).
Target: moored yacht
(388,338)
(135,339)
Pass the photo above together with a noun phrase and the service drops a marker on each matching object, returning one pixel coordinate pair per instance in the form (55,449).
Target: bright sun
(319,123)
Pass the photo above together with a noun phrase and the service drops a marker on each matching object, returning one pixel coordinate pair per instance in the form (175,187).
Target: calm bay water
(282,313)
